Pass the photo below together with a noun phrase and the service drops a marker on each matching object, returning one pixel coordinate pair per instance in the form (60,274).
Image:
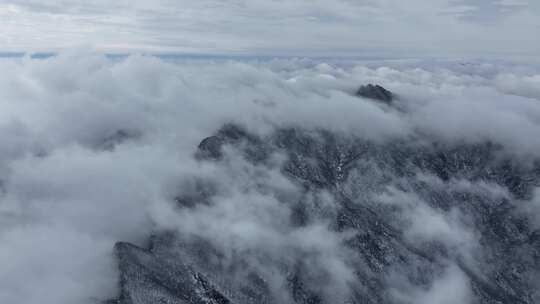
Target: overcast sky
(275,27)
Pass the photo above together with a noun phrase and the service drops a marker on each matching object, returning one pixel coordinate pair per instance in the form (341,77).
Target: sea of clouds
(94,148)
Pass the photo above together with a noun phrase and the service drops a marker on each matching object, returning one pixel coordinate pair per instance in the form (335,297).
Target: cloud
(38,256)
(451,288)
(526,85)
(532,209)
(418,214)
(512,2)
(322,27)
(249,218)
(66,197)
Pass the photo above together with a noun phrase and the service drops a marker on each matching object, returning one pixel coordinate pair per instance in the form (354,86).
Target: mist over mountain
(143,180)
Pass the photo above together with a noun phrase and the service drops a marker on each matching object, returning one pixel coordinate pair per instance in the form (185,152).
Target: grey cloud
(320,27)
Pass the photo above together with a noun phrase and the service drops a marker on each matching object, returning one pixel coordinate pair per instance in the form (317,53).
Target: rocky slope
(415,214)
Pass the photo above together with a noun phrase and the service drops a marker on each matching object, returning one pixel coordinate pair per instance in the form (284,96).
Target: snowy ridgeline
(141,181)
(397,222)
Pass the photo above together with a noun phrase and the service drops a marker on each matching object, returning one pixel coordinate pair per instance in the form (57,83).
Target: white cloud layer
(67,196)
(323,27)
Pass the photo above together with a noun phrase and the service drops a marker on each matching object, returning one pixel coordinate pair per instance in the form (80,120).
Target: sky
(385,28)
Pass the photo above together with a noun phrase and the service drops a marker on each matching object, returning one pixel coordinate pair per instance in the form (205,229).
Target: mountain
(404,221)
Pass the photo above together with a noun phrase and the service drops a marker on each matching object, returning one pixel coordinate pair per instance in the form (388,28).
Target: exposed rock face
(375,92)
(503,266)
(118,137)
(147,276)
(210,148)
